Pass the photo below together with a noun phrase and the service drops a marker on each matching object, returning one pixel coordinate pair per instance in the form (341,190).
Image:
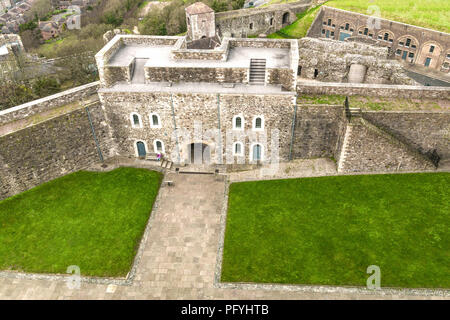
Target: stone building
(153,88)
(344,61)
(200,21)
(407,43)
(10,48)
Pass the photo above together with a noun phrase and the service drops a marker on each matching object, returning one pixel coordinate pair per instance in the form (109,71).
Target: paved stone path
(179,257)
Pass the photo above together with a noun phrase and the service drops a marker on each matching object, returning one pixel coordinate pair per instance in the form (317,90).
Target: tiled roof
(197,8)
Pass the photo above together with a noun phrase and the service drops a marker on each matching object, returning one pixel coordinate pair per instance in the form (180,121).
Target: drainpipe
(294,119)
(220,131)
(175,128)
(99,151)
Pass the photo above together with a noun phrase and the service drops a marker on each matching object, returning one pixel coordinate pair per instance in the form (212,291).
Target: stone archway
(199,153)
(285,19)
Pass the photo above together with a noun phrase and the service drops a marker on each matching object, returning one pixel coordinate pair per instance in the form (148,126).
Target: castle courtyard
(181,252)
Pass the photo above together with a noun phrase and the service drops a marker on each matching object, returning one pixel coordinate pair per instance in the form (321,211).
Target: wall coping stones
(49,102)
(380,90)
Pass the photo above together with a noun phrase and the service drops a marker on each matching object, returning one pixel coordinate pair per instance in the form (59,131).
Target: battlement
(138,60)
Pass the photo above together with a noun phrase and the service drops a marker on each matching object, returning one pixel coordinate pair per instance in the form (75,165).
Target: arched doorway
(285,19)
(142,152)
(257,153)
(199,153)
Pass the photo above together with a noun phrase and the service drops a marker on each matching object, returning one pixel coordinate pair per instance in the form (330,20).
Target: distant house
(49,29)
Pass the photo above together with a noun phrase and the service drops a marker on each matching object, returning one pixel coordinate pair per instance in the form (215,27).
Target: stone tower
(200,21)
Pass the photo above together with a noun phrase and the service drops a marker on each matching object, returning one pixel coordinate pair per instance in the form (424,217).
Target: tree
(39,9)
(153,23)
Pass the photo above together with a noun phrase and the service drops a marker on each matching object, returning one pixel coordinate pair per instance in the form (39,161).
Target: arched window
(238,149)
(155,121)
(258,123)
(158,146)
(135,120)
(141,149)
(257,152)
(238,122)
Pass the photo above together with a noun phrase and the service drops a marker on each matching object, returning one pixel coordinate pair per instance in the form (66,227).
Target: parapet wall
(374,90)
(37,106)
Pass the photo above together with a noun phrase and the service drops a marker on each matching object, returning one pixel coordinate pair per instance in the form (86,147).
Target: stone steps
(257,73)
(348,132)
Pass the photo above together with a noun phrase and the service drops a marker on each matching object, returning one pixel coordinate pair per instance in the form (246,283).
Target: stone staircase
(164,163)
(257,71)
(348,132)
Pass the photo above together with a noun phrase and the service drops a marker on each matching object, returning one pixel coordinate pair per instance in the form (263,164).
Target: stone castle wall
(48,103)
(246,22)
(374,90)
(425,131)
(370,149)
(210,111)
(319,131)
(336,24)
(332,61)
(50,149)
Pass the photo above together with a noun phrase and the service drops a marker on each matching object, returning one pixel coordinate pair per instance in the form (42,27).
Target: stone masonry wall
(48,150)
(425,131)
(332,59)
(254,21)
(374,90)
(319,131)
(47,103)
(208,110)
(337,23)
(371,150)
(229,75)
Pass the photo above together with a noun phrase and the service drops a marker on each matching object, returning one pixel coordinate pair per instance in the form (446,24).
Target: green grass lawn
(90,219)
(328,230)
(433,14)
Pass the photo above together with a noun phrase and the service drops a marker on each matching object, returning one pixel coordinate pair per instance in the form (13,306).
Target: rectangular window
(351,30)
(431,49)
(347,26)
(446,65)
(398,52)
(408,42)
(411,55)
(448,56)
(401,43)
(323,31)
(371,35)
(366,31)
(329,22)
(427,62)
(386,36)
(391,40)
(413,46)
(380,37)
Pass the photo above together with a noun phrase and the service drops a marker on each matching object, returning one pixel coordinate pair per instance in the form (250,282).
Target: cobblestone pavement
(179,257)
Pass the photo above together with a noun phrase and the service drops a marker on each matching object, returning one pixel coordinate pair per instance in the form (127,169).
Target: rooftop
(198,8)
(160,56)
(132,60)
